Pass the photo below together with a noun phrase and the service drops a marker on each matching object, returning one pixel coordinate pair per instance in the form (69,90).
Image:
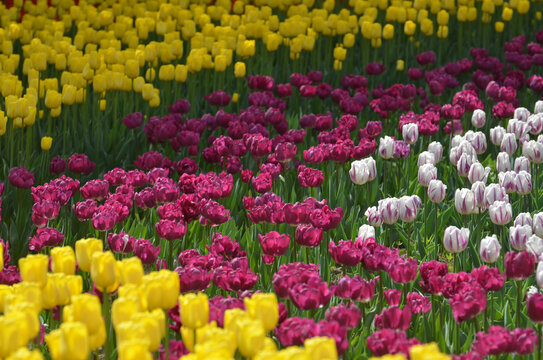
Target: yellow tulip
(348,40)
(523,7)
(321,348)
(388,31)
(53,99)
(76,338)
(33,268)
(166,72)
(499,26)
(188,337)
(472,14)
(134,350)
(63,258)
(46,142)
(131,271)
(507,14)
(210,332)
(25,354)
(152,328)
(443,32)
(235,98)
(60,62)
(26,291)
(104,272)
(400,65)
(194,310)
(181,73)
(390,357)
(427,352)
(39,61)
(84,249)
(263,307)
(220,63)
(5,290)
(31,316)
(250,337)
(294,353)
(87,309)
(14,333)
(443,18)
(409,28)
(68,94)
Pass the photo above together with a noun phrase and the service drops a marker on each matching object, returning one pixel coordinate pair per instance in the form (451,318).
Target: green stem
(519,299)
(107,318)
(540,347)
(166,340)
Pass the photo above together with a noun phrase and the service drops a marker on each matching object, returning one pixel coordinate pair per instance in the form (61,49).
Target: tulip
(523,183)
(489,249)
(509,143)
(321,348)
(478,118)
(63,260)
(478,173)
(194,310)
(455,240)
(534,245)
(496,135)
(389,210)
(359,172)
(408,207)
(523,219)
(263,307)
(539,274)
(426,174)
(521,164)
(130,271)
(519,235)
(519,266)
(366,232)
(386,147)
(533,150)
(410,133)
(534,305)
(84,250)
(425,157)
(437,149)
(134,350)
(374,216)
(104,271)
(251,337)
(436,191)
(464,163)
(500,212)
(538,224)
(464,201)
(33,268)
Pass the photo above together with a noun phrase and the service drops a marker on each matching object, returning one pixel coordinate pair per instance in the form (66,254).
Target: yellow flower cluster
(123,46)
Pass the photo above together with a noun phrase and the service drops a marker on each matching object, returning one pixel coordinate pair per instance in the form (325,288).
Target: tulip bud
(410,133)
(426,157)
(409,206)
(366,232)
(539,274)
(436,191)
(134,350)
(496,135)
(535,124)
(363,171)
(321,348)
(478,173)
(104,272)
(478,188)
(33,268)
(534,245)
(46,142)
(500,213)
(533,150)
(489,249)
(437,149)
(427,173)
(374,216)
(131,271)
(478,118)
(464,201)
(523,219)
(519,235)
(85,308)
(464,164)
(386,147)
(239,69)
(389,210)
(521,164)
(455,240)
(84,250)
(523,183)
(509,143)
(194,310)
(263,307)
(503,163)
(63,260)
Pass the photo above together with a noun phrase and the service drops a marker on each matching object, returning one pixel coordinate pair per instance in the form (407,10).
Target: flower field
(271,179)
